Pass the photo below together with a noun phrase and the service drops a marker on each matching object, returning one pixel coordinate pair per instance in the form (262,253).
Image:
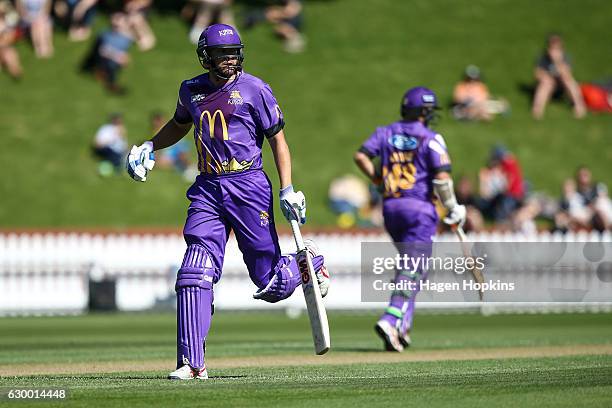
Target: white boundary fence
(49,273)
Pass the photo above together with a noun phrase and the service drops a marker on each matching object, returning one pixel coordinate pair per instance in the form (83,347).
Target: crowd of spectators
(502,198)
(505,201)
(36,20)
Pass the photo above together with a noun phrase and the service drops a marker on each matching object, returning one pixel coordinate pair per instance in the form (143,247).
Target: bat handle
(297,235)
(461,234)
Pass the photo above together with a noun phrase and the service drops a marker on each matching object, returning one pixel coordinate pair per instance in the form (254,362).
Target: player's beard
(227,70)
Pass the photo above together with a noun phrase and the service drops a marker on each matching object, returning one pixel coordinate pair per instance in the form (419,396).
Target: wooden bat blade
(314,303)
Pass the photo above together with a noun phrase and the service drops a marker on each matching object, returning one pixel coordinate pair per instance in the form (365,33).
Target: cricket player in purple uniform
(233,112)
(414,165)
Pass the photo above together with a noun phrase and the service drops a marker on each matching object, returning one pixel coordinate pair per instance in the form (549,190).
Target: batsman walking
(232,112)
(414,164)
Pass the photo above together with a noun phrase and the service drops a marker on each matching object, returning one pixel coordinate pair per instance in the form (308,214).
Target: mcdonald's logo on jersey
(212,120)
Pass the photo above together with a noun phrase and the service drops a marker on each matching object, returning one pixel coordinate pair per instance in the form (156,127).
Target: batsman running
(232,112)
(414,164)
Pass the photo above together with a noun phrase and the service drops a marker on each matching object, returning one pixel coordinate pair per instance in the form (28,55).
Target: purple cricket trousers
(413,222)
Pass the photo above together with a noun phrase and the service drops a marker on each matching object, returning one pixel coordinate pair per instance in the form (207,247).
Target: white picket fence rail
(49,273)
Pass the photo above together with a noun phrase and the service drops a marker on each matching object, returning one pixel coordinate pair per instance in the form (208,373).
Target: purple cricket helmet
(419,101)
(219,36)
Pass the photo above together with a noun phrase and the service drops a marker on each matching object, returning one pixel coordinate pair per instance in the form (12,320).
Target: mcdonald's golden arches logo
(212,119)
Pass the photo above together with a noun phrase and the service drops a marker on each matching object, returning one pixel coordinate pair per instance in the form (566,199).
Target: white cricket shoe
(186,372)
(322,274)
(389,335)
(405,339)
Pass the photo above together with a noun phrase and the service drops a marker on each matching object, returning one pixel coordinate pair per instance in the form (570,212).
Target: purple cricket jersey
(230,122)
(410,154)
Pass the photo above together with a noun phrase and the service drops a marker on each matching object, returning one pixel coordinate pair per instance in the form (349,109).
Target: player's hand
(293,205)
(456,216)
(140,160)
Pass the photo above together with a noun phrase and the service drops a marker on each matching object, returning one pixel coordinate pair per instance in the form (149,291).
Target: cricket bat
(476,273)
(312,294)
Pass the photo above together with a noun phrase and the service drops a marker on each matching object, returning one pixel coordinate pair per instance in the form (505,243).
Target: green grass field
(265,359)
(361,57)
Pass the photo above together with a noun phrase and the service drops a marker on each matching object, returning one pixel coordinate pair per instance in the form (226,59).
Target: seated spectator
(9,57)
(76,16)
(35,17)
(502,187)
(466,196)
(584,204)
(203,13)
(287,19)
(471,98)
(110,146)
(110,53)
(136,12)
(554,75)
(355,203)
(177,156)
(524,218)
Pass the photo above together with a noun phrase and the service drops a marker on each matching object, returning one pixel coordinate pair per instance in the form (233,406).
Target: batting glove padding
(293,205)
(456,216)
(140,160)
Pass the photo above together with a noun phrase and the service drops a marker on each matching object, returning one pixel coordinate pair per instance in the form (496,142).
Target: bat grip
(297,235)
(461,234)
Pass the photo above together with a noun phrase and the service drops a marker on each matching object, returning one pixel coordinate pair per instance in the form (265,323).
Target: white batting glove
(140,160)
(456,216)
(293,204)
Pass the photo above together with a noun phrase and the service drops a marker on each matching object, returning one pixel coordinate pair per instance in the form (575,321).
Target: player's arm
(443,187)
(270,121)
(440,164)
(170,134)
(282,158)
(370,149)
(141,159)
(366,165)
(292,203)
